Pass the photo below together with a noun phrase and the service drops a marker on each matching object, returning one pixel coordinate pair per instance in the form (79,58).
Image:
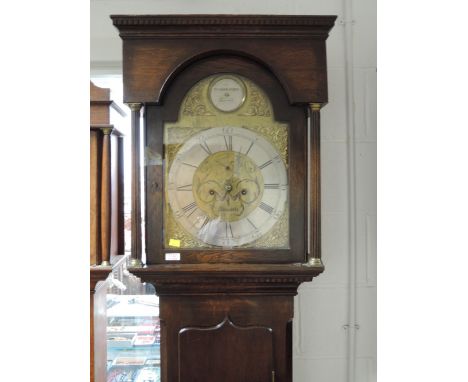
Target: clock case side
(168,111)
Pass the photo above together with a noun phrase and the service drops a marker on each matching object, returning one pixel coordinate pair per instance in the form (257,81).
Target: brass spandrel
(258,104)
(195,102)
(278,236)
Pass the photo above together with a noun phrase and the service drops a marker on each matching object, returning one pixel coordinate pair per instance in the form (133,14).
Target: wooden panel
(218,353)
(179,312)
(300,65)
(98,94)
(99,112)
(100,102)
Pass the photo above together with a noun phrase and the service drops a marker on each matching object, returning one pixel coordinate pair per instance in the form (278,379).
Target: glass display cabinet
(127,329)
(133,338)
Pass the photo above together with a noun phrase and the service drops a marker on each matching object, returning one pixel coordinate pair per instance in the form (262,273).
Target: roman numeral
(191,165)
(250,221)
(267,163)
(187,187)
(249,147)
(205,147)
(205,222)
(266,207)
(190,208)
(271,186)
(228,230)
(228,142)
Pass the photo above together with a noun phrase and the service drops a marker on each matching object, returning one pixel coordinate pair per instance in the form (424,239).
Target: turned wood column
(120,196)
(106,196)
(314,213)
(135,259)
(95,196)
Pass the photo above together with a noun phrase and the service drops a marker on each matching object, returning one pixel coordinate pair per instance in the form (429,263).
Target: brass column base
(314,262)
(135,263)
(105,264)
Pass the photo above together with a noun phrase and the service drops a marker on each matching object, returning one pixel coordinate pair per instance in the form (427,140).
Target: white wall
(335,318)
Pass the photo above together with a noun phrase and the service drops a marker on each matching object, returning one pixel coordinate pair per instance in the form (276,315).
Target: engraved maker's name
(226,89)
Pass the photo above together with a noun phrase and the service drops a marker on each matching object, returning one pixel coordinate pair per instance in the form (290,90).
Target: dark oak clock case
(226,315)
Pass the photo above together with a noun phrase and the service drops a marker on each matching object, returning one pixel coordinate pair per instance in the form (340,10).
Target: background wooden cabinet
(106,179)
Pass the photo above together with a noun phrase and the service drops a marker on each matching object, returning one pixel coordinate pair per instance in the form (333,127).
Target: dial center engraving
(228,186)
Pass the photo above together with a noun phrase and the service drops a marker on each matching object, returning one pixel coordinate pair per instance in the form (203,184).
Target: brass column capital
(315,106)
(134,106)
(107,130)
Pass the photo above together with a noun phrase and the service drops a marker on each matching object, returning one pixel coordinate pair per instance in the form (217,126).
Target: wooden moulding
(187,26)
(214,279)
(195,279)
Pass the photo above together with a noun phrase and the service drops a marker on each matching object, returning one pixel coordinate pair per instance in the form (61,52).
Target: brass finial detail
(315,106)
(134,106)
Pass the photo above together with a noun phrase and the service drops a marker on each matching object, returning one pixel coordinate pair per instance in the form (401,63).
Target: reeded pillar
(135,257)
(120,204)
(314,213)
(106,196)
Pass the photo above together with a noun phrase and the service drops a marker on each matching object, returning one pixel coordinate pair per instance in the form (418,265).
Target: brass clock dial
(227,186)
(226,169)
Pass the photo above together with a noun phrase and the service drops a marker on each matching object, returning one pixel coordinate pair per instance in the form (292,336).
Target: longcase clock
(231,131)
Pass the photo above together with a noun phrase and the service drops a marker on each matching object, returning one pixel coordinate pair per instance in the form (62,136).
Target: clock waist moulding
(231,130)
